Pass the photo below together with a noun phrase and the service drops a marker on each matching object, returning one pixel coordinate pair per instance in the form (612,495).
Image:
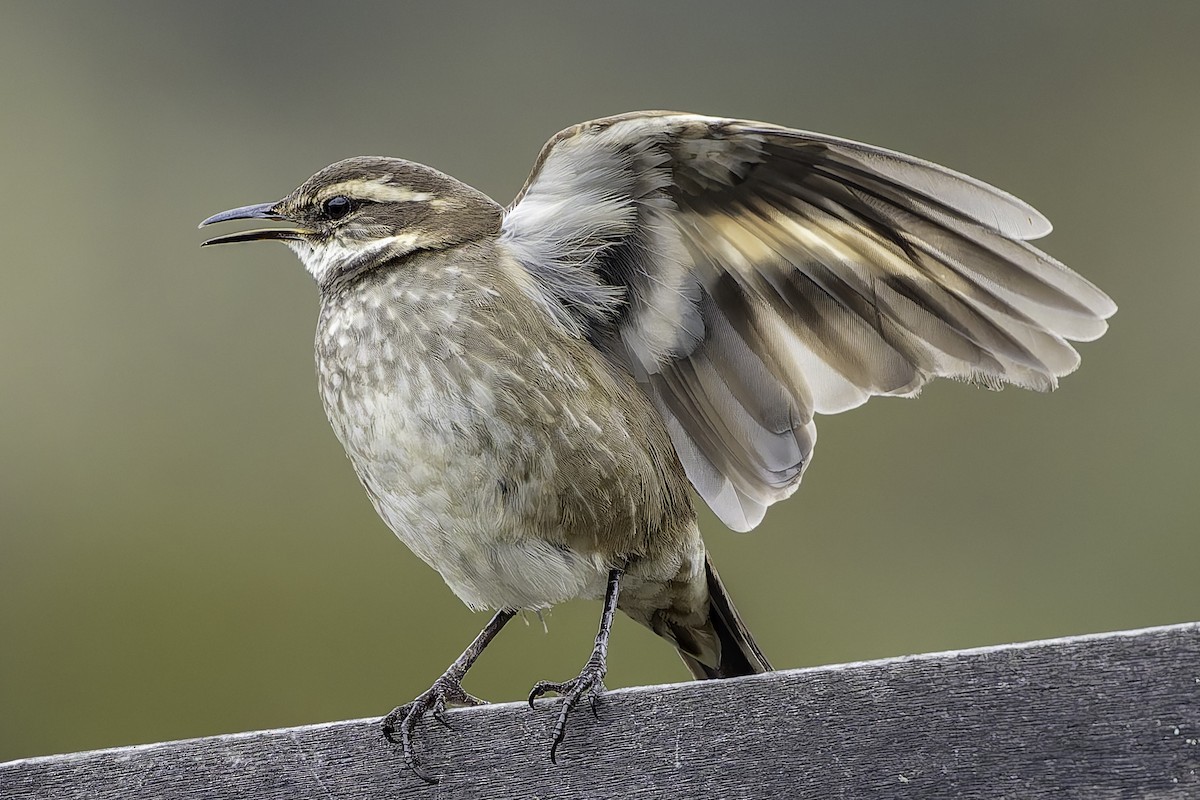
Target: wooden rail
(1096,717)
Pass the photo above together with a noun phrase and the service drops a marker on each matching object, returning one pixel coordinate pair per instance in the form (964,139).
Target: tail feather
(739,654)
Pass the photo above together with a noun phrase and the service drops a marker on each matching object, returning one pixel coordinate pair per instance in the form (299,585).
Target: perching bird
(529,394)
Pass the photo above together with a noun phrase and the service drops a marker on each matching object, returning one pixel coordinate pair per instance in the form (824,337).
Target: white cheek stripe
(332,255)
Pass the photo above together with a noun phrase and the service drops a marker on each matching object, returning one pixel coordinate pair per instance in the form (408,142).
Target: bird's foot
(590,682)
(398,726)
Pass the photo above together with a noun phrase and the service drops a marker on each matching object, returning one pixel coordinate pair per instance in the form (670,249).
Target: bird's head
(364,212)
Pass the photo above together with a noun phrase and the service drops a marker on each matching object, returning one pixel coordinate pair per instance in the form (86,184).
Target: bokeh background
(184,549)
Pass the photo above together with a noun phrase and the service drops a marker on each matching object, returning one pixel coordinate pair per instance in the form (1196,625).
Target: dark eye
(337,207)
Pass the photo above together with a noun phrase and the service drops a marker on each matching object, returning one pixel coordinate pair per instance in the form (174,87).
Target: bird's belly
(487,567)
(442,473)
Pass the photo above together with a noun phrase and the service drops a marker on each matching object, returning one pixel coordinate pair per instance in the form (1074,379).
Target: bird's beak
(260,211)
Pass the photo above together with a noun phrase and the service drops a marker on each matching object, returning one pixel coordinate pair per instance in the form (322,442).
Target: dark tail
(739,654)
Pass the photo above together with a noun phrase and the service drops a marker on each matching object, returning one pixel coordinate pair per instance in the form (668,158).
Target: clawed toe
(398,726)
(590,682)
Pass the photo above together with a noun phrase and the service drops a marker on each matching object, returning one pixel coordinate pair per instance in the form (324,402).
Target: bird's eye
(337,207)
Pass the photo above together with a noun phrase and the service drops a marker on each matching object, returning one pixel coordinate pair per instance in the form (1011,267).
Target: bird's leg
(398,726)
(591,678)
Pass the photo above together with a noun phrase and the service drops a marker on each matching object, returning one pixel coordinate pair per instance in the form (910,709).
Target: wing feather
(751,276)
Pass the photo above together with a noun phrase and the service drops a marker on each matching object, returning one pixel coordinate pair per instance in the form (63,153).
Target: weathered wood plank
(1116,715)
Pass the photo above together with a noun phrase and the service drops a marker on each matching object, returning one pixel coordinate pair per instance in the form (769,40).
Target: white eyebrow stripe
(378,190)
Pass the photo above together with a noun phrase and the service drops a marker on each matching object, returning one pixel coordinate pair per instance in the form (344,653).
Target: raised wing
(750,276)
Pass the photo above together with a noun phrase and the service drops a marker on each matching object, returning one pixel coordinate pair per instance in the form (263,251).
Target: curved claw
(546,687)
(389,724)
(595,703)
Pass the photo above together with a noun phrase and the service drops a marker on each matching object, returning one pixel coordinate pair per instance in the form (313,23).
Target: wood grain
(1108,716)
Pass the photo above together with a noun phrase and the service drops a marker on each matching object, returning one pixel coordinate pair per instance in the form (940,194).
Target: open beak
(260,211)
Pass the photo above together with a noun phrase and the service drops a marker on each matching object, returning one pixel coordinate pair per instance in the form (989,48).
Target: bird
(532,395)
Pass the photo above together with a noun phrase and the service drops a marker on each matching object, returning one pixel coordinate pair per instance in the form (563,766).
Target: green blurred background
(184,549)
